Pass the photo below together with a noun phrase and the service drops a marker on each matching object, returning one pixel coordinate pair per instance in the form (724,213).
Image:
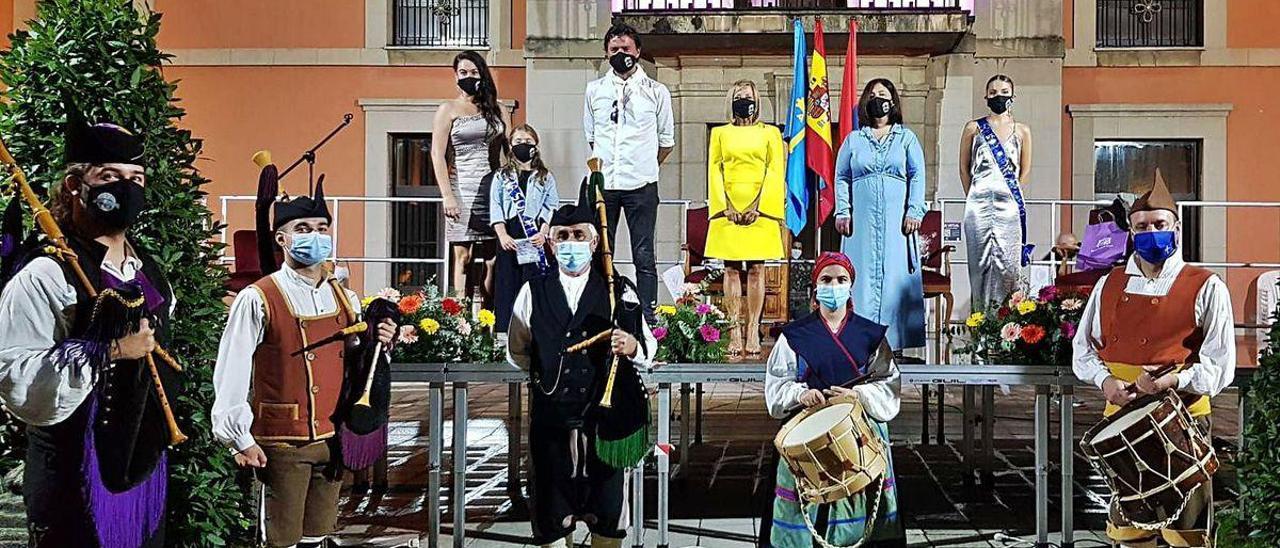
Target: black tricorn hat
(302,207)
(101,143)
(582,212)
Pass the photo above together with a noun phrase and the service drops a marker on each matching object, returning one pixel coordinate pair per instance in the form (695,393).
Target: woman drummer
(813,357)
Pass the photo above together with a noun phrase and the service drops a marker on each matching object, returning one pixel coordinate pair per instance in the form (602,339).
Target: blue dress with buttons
(879,182)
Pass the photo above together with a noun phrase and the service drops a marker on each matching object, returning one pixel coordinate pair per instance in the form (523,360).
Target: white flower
(390,294)
(464,327)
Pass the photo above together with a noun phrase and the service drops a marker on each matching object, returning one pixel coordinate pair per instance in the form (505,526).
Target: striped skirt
(846,520)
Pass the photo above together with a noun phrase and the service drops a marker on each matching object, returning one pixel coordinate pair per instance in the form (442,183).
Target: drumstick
(1162,371)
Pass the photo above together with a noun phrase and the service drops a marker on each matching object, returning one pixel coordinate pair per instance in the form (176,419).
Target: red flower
(1032,334)
(451,307)
(1003,312)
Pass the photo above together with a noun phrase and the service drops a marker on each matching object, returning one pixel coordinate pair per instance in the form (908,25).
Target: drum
(1153,455)
(832,450)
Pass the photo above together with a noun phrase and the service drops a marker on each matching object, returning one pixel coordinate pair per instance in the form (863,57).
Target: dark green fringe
(626,452)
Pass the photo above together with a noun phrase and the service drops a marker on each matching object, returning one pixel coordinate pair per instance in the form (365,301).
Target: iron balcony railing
(440,23)
(667,6)
(1150,23)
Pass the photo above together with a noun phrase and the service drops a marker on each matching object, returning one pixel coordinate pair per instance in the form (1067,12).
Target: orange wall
(1253,129)
(1251,23)
(261,24)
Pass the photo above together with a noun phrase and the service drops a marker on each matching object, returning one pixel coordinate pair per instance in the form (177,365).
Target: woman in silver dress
(476,127)
(993,227)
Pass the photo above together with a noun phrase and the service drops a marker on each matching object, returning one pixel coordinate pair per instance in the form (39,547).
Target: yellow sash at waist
(1130,373)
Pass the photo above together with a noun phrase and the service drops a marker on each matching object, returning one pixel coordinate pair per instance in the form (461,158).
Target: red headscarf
(829,258)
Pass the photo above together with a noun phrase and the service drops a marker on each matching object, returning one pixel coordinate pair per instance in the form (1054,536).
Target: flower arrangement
(1027,330)
(436,329)
(690,330)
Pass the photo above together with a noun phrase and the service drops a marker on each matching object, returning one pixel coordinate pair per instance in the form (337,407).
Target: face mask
(744,108)
(622,62)
(115,205)
(1000,103)
(879,107)
(469,85)
(1155,247)
(574,257)
(831,297)
(524,152)
(310,248)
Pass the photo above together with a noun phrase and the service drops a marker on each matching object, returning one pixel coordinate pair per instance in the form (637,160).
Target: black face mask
(469,85)
(115,205)
(744,108)
(1000,103)
(524,152)
(622,62)
(879,107)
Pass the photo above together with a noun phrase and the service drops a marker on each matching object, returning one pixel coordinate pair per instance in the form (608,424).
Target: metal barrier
(1043,378)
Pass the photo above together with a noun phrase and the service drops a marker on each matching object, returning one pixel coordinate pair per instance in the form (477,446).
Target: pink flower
(390,295)
(659,333)
(1068,329)
(1010,332)
(1048,293)
(464,327)
(709,333)
(408,334)
(1017,297)
(690,289)
(703,309)
(1072,304)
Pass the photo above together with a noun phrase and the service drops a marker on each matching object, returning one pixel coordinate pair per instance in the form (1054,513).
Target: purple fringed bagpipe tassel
(128,518)
(360,452)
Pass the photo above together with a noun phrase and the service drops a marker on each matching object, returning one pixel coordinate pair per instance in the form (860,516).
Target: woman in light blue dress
(879,205)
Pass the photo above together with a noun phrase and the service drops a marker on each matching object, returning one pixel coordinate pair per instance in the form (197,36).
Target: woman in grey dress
(992,226)
(476,127)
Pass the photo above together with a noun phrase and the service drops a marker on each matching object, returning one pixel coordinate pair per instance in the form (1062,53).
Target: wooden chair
(244,246)
(935,260)
(695,244)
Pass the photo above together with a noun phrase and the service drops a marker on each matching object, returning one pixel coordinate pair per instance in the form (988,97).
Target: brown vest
(1140,330)
(294,397)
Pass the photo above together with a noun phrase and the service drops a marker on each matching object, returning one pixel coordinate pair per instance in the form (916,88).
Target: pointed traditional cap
(302,207)
(102,143)
(1156,198)
(582,212)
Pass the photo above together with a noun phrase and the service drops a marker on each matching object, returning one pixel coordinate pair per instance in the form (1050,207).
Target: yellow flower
(1026,307)
(975,319)
(364,303)
(429,326)
(667,310)
(486,318)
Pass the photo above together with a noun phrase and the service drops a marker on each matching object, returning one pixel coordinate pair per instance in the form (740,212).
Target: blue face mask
(1155,247)
(831,297)
(574,257)
(310,248)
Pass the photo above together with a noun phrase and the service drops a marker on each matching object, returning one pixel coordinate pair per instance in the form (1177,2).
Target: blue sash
(512,186)
(1011,179)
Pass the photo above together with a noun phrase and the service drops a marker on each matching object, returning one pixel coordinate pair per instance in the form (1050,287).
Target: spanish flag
(818,150)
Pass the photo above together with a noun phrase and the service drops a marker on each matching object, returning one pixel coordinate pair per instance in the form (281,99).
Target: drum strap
(872,516)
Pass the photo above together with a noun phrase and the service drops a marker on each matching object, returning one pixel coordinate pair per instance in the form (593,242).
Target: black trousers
(641,207)
(568,483)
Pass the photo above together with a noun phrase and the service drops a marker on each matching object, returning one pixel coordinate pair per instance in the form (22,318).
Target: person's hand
(732,214)
(749,216)
(134,346)
(1149,385)
(624,344)
(1117,391)
(910,225)
(451,207)
(252,457)
(840,391)
(387,332)
(844,226)
(507,242)
(537,239)
(812,397)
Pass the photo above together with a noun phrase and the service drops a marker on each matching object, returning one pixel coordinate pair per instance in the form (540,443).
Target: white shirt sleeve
(1085,362)
(666,121)
(588,117)
(882,397)
(232,415)
(781,389)
(36,307)
(519,338)
(1217,365)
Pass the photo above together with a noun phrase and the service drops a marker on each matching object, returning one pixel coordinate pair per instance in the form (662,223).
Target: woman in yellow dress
(745,194)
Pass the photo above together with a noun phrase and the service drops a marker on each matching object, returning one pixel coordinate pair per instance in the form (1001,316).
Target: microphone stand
(310,155)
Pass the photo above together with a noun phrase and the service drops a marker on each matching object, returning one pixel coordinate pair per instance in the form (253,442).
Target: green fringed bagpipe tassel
(626,452)
(622,430)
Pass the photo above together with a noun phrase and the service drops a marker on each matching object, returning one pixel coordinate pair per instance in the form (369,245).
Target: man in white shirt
(629,125)
(1156,311)
(275,406)
(571,480)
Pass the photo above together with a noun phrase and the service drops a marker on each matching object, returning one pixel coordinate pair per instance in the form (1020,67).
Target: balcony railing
(1150,23)
(624,6)
(440,23)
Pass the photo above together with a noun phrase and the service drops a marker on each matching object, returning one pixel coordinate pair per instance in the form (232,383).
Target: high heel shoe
(753,341)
